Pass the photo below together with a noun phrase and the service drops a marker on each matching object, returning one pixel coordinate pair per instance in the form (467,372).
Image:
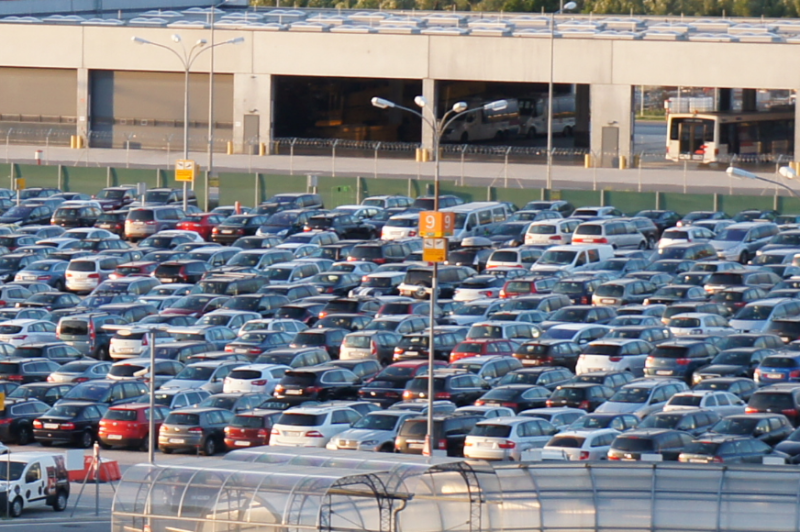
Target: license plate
(412,353)
(774,375)
(242,443)
(697,461)
(607,301)
(169,279)
(245,350)
(114,436)
(124,350)
(51,426)
(177,440)
(227,231)
(415,445)
(663,372)
(293,434)
(294,392)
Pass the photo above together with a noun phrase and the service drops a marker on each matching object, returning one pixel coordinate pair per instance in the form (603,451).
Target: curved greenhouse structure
(294,490)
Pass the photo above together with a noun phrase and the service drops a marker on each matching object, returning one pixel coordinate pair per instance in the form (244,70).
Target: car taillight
(144,341)
(195,430)
(790,412)
(614,359)
(612,457)
(6,421)
(442,444)
(93,276)
(373,348)
(408,394)
(15,378)
(50,378)
(584,405)
(314,389)
(683,361)
(262,433)
(750,410)
(480,402)
(412,233)
(510,405)
(442,395)
(229,349)
(37,424)
(240,231)
(584,455)
(716,460)
(313,434)
(556,237)
(275,432)
(259,382)
(254,351)
(80,379)
(19,337)
(399,350)
(67,426)
(794,374)
(502,294)
(508,444)
(650,360)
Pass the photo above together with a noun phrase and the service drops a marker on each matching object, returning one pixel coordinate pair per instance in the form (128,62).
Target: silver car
(374,432)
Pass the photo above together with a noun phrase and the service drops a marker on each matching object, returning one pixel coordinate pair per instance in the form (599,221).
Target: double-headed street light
(187,57)
(569,6)
(785,171)
(438,127)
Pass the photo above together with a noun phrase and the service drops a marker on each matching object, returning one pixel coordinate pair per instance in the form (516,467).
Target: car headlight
(369,443)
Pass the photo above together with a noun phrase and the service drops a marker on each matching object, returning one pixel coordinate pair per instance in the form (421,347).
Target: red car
(127,425)
(251,429)
(481,346)
(139,268)
(202,224)
(526,286)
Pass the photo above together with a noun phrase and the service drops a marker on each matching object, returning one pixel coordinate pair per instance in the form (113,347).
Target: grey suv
(142,222)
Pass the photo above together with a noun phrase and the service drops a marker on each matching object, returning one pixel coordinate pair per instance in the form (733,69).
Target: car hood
(748,325)
(364,435)
(722,245)
(618,408)
(722,369)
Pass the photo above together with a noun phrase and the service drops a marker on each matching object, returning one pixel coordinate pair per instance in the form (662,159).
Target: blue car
(778,368)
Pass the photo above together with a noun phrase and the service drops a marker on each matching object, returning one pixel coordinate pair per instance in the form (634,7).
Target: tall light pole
(187,57)
(569,6)
(438,128)
(784,171)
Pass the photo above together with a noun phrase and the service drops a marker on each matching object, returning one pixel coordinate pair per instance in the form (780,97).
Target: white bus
(484,124)
(533,115)
(717,136)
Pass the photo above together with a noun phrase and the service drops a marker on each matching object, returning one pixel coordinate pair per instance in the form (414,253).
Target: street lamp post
(187,57)
(438,128)
(785,171)
(569,6)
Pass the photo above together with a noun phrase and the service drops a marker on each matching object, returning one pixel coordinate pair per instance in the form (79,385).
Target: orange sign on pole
(436,224)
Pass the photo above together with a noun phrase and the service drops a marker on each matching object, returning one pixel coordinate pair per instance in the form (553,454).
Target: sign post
(434,228)
(185,171)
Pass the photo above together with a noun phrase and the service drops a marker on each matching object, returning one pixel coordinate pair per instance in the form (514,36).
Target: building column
(430,94)
(612,123)
(724,99)
(583,120)
(82,111)
(749,102)
(797,130)
(252,111)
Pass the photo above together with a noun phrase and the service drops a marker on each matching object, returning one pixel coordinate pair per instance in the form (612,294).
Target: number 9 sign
(435,224)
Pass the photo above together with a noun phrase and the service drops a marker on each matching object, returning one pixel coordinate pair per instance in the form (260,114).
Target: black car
(27,215)
(388,386)
(679,359)
(579,289)
(69,422)
(330,338)
(336,283)
(45,392)
(777,399)
(12,263)
(317,383)
(518,397)
(112,198)
(550,377)
(237,226)
(51,301)
(344,225)
(458,386)
(742,387)
(726,449)
(76,215)
(16,420)
(305,311)
(633,444)
(106,391)
(113,221)
(549,352)
(355,305)
(181,271)
(380,252)
(416,345)
(769,428)
(584,395)
(695,421)
(264,304)
(351,322)
(254,343)
(56,351)
(288,222)
(25,370)
(364,369)
(662,219)
(449,434)
(738,362)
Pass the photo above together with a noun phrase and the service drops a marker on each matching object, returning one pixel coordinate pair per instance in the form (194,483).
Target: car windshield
(12,470)
(631,395)
(195,373)
(755,312)
(377,421)
(302,420)
(485,331)
(737,426)
(557,257)
(89,391)
(779,362)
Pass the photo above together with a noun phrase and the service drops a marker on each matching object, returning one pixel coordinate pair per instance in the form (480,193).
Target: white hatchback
(311,427)
(261,378)
(723,403)
(692,323)
(577,445)
(18,332)
(506,438)
(682,235)
(551,232)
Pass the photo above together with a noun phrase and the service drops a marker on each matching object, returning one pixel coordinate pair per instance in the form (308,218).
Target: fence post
(505,167)
(375,168)
(641,155)
(489,193)
(108,176)
(257,192)
(684,176)
(291,156)
(358,190)
(658,201)
(333,158)
(463,153)
(716,201)
(61,178)
(602,197)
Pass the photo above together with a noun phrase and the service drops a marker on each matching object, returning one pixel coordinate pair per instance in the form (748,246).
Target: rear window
(589,230)
(120,415)
(176,418)
(125,370)
(10,329)
(632,444)
(414,427)
(367,252)
(302,420)
(302,379)
(358,341)
(670,352)
(248,422)
(542,229)
(505,256)
(572,442)
(469,347)
(774,400)
(685,400)
(245,374)
(491,431)
(309,339)
(779,362)
(141,216)
(82,266)
(9,368)
(702,447)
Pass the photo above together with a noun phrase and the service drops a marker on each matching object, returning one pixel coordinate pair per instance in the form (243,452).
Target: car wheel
(23,435)
(643,245)
(145,445)
(744,257)
(209,447)
(86,440)
(165,450)
(387,447)
(16,507)
(60,504)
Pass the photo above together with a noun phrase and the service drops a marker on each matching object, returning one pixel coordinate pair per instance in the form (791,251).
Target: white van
(37,479)
(551,232)
(533,115)
(476,219)
(573,258)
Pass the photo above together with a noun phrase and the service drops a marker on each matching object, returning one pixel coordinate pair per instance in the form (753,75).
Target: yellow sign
(19,183)
(2,401)
(435,224)
(434,249)
(185,170)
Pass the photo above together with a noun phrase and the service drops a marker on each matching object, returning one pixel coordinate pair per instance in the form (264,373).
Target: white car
(374,432)
(513,258)
(691,323)
(580,444)
(273,324)
(130,341)
(560,416)
(614,355)
(758,315)
(551,232)
(506,438)
(18,332)
(233,319)
(89,233)
(360,267)
(208,376)
(261,378)
(723,403)
(85,273)
(682,235)
(312,426)
(401,226)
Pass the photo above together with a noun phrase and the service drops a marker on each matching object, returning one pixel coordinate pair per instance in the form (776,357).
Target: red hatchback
(251,429)
(127,425)
(481,346)
(202,224)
